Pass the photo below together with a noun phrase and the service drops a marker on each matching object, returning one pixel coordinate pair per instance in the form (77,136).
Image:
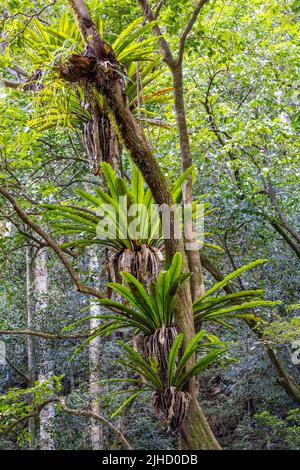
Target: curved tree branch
(101,419)
(41,334)
(188,29)
(52,244)
(72,411)
(161,41)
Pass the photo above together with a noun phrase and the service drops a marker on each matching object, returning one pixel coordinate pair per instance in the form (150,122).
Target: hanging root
(100,139)
(158,345)
(92,145)
(148,263)
(172,406)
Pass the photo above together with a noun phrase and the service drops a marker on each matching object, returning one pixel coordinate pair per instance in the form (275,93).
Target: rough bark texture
(175,66)
(100,139)
(96,431)
(30,339)
(193,258)
(111,86)
(193,433)
(45,367)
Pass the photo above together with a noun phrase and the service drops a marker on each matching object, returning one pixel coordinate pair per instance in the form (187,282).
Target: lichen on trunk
(102,69)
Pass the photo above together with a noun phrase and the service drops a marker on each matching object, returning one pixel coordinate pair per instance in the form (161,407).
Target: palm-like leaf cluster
(47,47)
(150,312)
(70,220)
(169,397)
(164,367)
(179,373)
(142,311)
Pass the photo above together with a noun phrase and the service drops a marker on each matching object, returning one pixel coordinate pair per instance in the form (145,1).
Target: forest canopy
(149,225)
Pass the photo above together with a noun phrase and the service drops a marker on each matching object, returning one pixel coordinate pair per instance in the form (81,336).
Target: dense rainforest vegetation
(185,335)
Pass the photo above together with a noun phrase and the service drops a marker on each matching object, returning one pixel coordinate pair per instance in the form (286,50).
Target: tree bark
(111,86)
(193,433)
(295,247)
(30,339)
(45,367)
(96,431)
(175,66)
(193,257)
(285,380)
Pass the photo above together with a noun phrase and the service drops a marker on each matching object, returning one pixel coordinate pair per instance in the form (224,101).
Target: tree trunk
(285,380)
(96,430)
(192,254)
(45,368)
(193,433)
(30,340)
(175,66)
(111,86)
(295,247)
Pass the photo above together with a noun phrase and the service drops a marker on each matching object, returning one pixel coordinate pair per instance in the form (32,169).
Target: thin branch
(89,414)
(292,243)
(52,244)
(40,334)
(161,41)
(28,21)
(10,83)
(72,411)
(158,8)
(273,200)
(18,70)
(188,29)
(240,104)
(24,419)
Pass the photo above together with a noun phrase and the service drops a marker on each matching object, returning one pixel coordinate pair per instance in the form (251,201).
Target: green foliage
(58,104)
(179,373)
(225,307)
(17,404)
(244,56)
(288,428)
(115,209)
(142,311)
(283,330)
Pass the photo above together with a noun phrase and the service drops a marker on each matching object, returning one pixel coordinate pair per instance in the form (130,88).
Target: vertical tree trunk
(94,354)
(30,340)
(193,257)
(175,66)
(111,86)
(45,368)
(197,430)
